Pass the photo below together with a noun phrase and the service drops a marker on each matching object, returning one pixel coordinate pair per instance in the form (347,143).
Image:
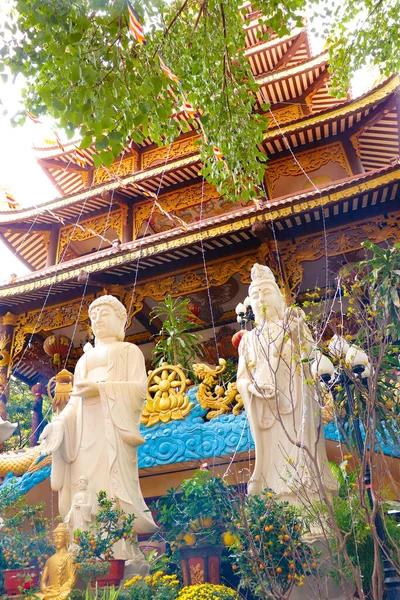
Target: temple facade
(332,182)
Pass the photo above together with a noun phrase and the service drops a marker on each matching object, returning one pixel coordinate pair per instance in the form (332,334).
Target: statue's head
(265,295)
(83,482)
(61,536)
(108,318)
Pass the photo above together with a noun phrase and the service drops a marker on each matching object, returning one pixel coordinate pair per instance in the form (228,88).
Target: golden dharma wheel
(165,400)
(166,377)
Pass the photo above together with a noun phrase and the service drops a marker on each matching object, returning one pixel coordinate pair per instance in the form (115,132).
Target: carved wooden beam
(291,51)
(145,319)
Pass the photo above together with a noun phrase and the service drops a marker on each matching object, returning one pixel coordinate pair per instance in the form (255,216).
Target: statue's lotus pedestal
(15,579)
(201,564)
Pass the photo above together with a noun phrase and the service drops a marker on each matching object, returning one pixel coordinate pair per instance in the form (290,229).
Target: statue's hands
(85,389)
(266,391)
(52,436)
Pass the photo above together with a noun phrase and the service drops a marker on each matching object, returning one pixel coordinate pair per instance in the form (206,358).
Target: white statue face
(265,302)
(82,485)
(105,322)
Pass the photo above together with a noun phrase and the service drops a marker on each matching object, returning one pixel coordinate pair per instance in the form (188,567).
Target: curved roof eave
(211,227)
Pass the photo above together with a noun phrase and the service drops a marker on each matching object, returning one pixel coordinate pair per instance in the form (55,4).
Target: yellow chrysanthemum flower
(207,591)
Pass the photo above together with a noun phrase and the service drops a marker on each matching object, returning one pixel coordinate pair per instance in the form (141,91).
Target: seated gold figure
(59,574)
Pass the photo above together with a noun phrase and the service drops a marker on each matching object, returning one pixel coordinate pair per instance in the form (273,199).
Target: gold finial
(9,319)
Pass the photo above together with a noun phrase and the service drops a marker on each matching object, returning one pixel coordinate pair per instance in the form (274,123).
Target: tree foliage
(19,410)
(359,33)
(177,343)
(84,69)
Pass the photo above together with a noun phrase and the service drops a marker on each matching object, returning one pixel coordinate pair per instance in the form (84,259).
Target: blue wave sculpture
(192,439)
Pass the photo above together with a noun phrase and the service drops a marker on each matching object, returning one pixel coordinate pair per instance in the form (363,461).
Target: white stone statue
(6,429)
(97,433)
(82,508)
(283,414)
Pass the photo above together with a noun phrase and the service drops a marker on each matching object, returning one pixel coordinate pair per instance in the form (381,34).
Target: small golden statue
(59,573)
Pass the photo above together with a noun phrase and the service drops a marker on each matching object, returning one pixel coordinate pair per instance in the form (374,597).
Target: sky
(23,177)
(19,170)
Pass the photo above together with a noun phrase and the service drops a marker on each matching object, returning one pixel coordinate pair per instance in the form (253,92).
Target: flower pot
(114,575)
(16,578)
(201,564)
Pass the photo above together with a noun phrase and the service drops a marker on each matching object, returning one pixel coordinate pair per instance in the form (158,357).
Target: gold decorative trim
(301,68)
(154,157)
(8,319)
(119,168)
(309,98)
(342,111)
(5,343)
(46,239)
(287,114)
(339,240)
(310,160)
(184,198)
(355,140)
(324,199)
(92,227)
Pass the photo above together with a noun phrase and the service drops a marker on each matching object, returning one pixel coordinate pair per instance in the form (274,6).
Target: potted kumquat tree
(95,553)
(24,544)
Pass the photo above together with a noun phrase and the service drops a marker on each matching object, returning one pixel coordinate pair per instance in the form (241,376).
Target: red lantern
(57,347)
(237,337)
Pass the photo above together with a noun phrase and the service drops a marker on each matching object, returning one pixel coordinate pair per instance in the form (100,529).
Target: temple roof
(279,53)
(354,196)
(373,116)
(285,71)
(372,119)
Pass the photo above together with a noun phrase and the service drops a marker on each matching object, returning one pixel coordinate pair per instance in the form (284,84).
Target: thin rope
(142,239)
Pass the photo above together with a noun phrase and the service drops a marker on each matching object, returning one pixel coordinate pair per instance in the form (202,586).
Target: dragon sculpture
(217,398)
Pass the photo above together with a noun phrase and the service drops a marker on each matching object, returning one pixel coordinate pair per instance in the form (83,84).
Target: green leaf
(97,161)
(86,142)
(107,158)
(59,105)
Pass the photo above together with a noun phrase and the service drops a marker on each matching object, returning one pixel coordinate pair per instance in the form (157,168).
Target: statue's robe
(58,577)
(287,418)
(101,435)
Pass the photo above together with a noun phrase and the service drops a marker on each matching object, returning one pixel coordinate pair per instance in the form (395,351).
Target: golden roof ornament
(63,386)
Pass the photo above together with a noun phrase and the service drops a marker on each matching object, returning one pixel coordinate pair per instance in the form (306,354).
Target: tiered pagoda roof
(371,123)
(353,198)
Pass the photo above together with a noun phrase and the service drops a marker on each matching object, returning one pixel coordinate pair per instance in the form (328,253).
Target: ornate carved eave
(57,206)
(282,209)
(41,213)
(372,97)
